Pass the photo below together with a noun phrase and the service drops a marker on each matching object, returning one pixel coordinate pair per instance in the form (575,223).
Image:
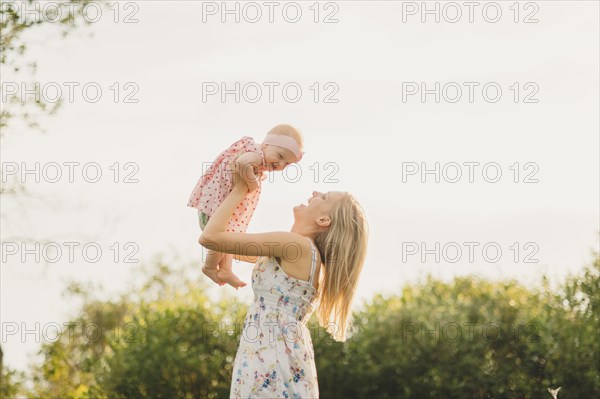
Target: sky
(498,104)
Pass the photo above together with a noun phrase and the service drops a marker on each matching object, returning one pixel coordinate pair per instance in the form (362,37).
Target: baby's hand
(246,166)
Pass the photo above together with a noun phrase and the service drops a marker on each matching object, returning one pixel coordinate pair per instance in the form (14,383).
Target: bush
(470,338)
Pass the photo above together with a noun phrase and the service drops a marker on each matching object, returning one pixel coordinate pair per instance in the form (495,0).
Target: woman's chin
(299,207)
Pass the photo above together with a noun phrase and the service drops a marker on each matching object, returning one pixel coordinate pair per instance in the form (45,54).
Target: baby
(281,147)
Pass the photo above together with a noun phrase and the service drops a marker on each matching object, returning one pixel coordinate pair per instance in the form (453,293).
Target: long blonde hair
(343,248)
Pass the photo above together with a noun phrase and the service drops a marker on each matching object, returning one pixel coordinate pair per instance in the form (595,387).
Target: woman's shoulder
(298,261)
(296,245)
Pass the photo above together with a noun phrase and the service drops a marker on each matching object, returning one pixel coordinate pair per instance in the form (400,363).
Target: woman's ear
(323,221)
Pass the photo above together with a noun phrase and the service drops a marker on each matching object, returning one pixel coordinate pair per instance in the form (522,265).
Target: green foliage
(163,340)
(176,347)
(470,338)
(11,382)
(19,22)
(22,22)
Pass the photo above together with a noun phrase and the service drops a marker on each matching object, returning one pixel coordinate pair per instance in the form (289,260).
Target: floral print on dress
(275,358)
(217,182)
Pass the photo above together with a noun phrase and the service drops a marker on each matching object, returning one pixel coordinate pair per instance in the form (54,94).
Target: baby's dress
(275,358)
(217,182)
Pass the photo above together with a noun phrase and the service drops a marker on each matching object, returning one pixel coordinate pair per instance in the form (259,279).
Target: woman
(319,259)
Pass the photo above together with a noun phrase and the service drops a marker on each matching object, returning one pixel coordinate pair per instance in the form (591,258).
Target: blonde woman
(316,265)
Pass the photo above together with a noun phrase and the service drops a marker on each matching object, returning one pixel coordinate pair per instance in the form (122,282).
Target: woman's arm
(286,245)
(244,166)
(220,219)
(245,258)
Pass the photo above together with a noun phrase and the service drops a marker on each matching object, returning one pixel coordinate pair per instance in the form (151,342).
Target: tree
(18,21)
(470,338)
(163,340)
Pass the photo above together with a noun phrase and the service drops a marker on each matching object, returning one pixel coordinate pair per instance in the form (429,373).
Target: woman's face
(318,207)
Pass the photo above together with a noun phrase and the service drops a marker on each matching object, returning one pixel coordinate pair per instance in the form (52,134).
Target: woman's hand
(246,165)
(239,185)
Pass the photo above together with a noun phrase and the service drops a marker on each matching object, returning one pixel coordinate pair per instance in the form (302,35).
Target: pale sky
(370,58)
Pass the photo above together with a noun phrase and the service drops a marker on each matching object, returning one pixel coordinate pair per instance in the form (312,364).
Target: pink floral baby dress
(217,182)
(275,358)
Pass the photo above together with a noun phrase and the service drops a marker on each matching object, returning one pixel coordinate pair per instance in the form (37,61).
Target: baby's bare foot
(230,278)
(212,273)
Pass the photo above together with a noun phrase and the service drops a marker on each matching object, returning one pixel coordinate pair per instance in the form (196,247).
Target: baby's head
(282,146)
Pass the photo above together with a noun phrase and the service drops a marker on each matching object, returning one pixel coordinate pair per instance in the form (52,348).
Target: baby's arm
(245,165)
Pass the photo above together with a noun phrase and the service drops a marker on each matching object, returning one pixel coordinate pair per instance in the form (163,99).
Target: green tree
(19,22)
(470,338)
(11,383)
(166,339)
(571,333)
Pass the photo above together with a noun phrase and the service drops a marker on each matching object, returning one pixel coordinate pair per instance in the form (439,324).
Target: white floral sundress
(275,358)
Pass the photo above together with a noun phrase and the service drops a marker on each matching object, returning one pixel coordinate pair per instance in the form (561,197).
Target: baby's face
(277,158)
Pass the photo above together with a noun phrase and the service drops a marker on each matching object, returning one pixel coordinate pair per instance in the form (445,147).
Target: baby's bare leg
(226,273)
(210,267)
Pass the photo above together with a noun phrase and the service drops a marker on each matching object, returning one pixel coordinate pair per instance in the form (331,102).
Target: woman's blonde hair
(343,248)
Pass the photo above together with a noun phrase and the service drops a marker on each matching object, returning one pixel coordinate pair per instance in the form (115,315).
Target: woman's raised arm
(282,244)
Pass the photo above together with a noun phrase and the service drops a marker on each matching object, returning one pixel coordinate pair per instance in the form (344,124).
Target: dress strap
(313,262)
